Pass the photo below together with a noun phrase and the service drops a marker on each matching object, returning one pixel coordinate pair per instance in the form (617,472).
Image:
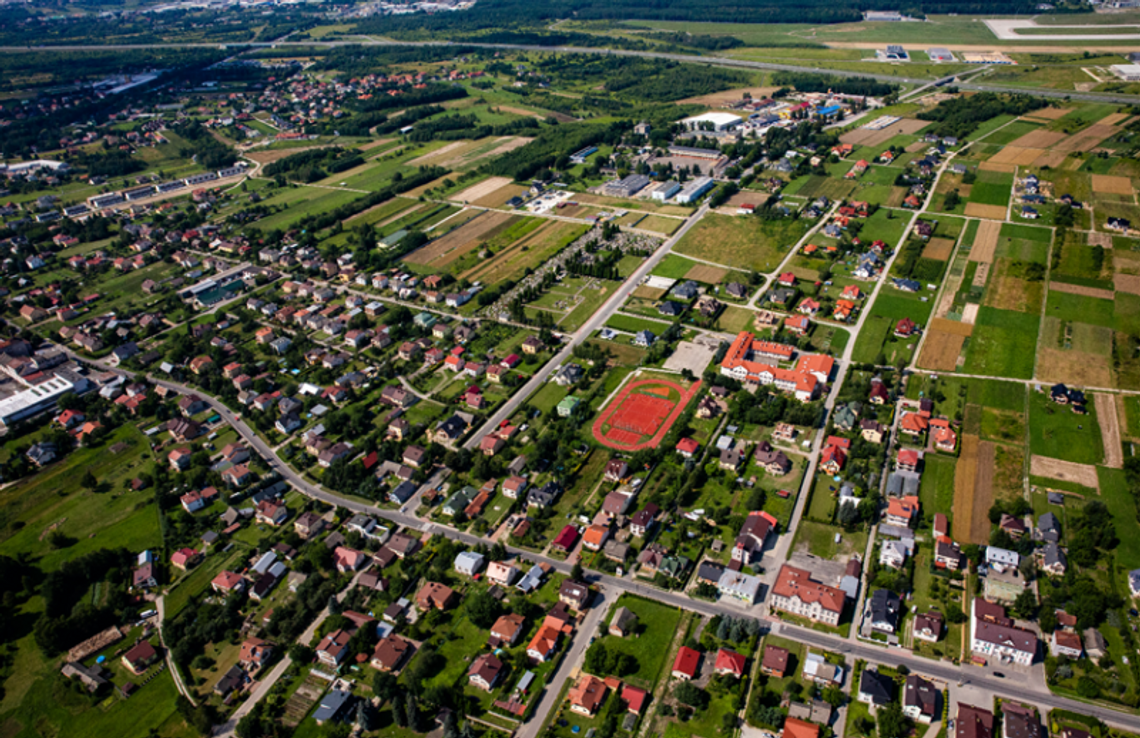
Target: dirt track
(1109,430)
(1082,474)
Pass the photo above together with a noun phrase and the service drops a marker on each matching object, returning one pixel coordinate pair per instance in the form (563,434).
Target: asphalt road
(690,58)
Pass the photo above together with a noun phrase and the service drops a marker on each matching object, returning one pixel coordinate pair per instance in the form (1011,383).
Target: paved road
(689,58)
(596,321)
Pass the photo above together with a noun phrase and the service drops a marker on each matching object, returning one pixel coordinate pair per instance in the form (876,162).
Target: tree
(576,572)
(690,694)
(1025,606)
(892,723)
(483,609)
(833,695)
(89,481)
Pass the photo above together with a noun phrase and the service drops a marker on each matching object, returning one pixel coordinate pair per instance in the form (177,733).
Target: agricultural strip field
(526,253)
(442,251)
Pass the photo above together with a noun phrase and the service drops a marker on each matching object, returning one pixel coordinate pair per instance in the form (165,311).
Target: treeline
(207,150)
(354,61)
(46,68)
(110,163)
(653,80)
(310,166)
(960,116)
(806,82)
(454,127)
(65,620)
(702,41)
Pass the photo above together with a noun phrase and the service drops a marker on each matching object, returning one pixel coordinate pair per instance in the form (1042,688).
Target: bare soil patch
(1112,119)
(373,144)
(440,154)
(482,189)
(1038,139)
(938,249)
(1129,283)
(985,243)
(1047,114)
(505,145)
(1112,185)
(1109,430)
(649,293)
(707,274)
(865,137)
(992,212)
(746,198)
(447,249)
(1051,159)
(1018,155)
(993,166)
(940,351)
(1066,471)
(519,111)
(970,313)
(1088,139)
(1096,238)
(1073,367)
(1079,289)
(973,525)
(726,98)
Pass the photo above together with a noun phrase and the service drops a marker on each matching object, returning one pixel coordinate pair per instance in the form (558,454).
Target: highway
(719,61)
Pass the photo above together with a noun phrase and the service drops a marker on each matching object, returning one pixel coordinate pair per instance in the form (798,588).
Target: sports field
(641,415)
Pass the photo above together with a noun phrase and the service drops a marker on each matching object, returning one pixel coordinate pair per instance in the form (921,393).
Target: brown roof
(775,659)
(974,722)
(507,626)
(793,582)
(391,651)
(588,693)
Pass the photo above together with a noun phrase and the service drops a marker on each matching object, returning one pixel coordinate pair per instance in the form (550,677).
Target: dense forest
(959,116)
(805,82)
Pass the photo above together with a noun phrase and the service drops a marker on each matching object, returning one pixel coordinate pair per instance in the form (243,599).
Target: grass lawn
(1003,344)
(992,188)
(673,267)
(885,225)
(1057,432)
(657,624)
(295,204)
(1080,308)
(633,325)
(878,330)
(820,540)
(937,490)
(741,241)
(593,300)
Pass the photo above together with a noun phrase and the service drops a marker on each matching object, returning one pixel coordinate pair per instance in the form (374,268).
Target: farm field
(741,242)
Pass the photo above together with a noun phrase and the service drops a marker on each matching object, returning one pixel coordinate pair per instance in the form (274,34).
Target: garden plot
(867,137)
(1047,114)
(973,494)
(938,249)
(992,212)
(1109,430)
(1088,139)
(1080,289)
(1039,139)
(1018,155)
(943,345)
(707,274)
(1129,283)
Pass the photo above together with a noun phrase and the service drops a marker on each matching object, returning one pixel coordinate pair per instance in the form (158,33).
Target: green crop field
(1057,432)
(1003,344)
(992,188)
(740,241)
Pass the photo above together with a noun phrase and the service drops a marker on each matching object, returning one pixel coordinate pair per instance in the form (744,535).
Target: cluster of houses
(757,362)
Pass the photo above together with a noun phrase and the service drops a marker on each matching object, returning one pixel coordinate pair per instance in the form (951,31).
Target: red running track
(622,439)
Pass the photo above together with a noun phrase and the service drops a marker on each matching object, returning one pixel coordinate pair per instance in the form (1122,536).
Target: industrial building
(712,122)
(692,191)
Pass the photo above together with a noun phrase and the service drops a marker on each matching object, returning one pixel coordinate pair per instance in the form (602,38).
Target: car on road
(999,675)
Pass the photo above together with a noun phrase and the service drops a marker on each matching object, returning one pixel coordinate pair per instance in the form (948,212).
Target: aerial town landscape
(570,370)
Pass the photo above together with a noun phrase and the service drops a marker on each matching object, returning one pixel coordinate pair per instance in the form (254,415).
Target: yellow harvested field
(373,144)
(435,157)
(450,247)
(993,166)
(482,189)
(940,351)
(971,503)
(1016,155)
(938,249)
(1109,430)
(728,97)
(1080,289)
(707,274)
(1112,119)
(978,210)
(1073,367)
(1087,139)
(518,111)
(1052,159)
(985,244)
(1047,114)
(1066,471)
(1041,139)
(952,327)
(649,293)
(1112,185)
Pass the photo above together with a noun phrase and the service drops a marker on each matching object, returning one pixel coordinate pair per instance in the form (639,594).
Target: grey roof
(1054,555)
(879,687)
